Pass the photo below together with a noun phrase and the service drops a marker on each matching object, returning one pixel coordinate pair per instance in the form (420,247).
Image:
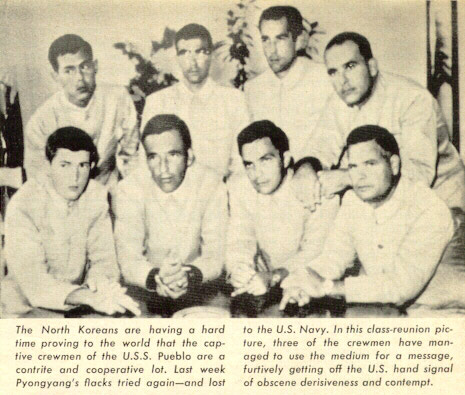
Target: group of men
(250,184)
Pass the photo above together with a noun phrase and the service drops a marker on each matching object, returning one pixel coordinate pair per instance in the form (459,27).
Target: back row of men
(168,240)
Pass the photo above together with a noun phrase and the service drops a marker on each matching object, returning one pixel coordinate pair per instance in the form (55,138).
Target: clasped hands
(172,279)
(300,286)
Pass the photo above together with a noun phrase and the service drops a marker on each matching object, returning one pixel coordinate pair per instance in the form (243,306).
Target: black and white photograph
(239,158)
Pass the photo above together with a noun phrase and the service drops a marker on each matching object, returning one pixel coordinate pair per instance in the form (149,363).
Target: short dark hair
(260,130)
(381,136)
(69,43)
(164,122)
(73,139)
(361,41)
(292,15)
(194,30)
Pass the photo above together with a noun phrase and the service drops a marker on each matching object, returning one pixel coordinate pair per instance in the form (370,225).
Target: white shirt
(191,221)
(413,116)
(287,234)
(53,246)
(293,102)
(110,118)
(399,244)
(215,116)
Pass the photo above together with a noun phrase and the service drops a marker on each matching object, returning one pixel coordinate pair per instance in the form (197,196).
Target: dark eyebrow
(267,155)
(349,62)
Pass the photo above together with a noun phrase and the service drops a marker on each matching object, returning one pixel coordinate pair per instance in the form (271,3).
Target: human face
(264,165)
(278,45)
(167,159)
(194,58)
(351,75)
(371,172)
(70,172)
(76,76)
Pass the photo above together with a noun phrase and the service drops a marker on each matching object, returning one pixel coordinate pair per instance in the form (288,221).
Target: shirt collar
(388,209)
(202,95)
(295,74)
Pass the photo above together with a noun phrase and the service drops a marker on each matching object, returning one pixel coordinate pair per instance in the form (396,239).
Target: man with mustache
(365,95)
(397,228)
(270,232)
(171,220)
(214,114)
(105,112)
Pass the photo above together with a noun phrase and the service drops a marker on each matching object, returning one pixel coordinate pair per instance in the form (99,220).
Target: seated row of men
(173,231)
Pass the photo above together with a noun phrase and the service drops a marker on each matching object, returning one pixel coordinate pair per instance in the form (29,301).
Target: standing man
(105,112)
(397,228)
(59,245)
(270,232)
(170,219)
(292,92)
(214,114)
(364,95)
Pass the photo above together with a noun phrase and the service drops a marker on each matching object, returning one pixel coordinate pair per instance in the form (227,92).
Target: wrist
(150,282)
(337,289)
(194,276)
(277,276)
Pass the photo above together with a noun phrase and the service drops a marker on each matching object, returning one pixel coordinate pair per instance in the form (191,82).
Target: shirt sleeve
(35,138)
(101,248)
(339,250)
(419,139)
(241,245)
(413,265)
(128,130)
(25,256)
(130,234)
(239,119)
(316,230)
(213,235)
(326,141)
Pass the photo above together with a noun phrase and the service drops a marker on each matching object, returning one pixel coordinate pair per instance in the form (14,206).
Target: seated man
(105,112)
(170,219)
(58,239)
(398,229)
(269,216)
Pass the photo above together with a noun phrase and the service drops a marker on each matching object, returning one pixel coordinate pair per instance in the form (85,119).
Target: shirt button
(380,246)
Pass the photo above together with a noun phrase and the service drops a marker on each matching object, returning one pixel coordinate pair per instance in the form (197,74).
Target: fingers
(171,280)
(287,298)
(239,291)
(129,304)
